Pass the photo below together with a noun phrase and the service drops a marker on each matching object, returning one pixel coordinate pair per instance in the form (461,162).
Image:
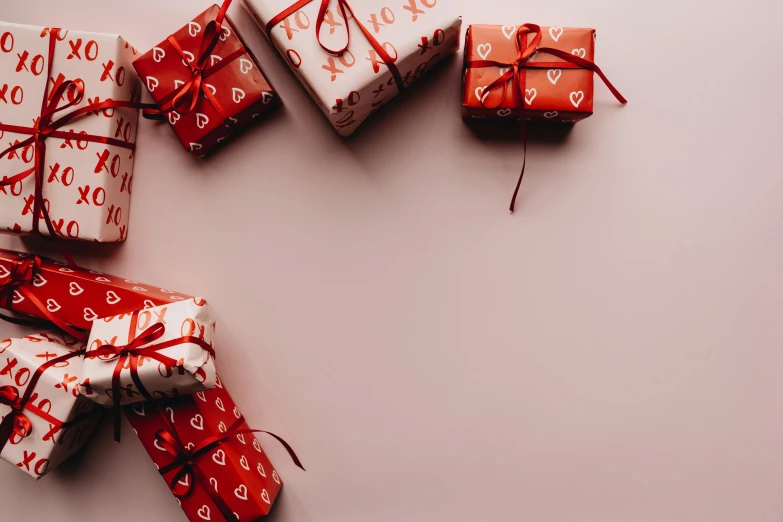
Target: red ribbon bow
(344,7)
(22,274)
(184,99)
(186,460)
(47,127)
(138,348)
(526,51)
(16,422)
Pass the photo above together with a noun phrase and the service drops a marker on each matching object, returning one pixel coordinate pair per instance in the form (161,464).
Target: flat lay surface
(610,352)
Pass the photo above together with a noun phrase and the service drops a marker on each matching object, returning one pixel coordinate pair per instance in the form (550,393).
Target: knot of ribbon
(16,421)
(186,458)
(183,99)
(47,127)
(138,348)
(21,276)
(345,9)
(517,74)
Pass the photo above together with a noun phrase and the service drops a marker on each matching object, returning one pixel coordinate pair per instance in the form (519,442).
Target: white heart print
(225,34)
(195,146)
(65,270)
(530,95)
(241,492)
(211,88)
(178,84)
(265,497)
(241,438)
(193,28)
(237,94)
(554,75)
(4,272)
(197,422)
(577,97)
(245,65)
(189,58)
(203,512)
(236,412)
(74,288)
(480,94)
(152,83)
(112,298)
(139,289)
(219,404)
(213,481)
(266,97)
(52,305)
(257,446)
(579,52)
(550,114)
(158,54)
(157,445)
(214,58)
(260,469)
(201,396)
(185,481)
(89,314)
(484,50)
(138,409)
(201,120)
(148,304)
(222,427)
(509,30)
(504,112)
(18,298)
(39,281)
(174,117)
(555,33)
(102,280)
(219,457)
(275,476)
(243,462)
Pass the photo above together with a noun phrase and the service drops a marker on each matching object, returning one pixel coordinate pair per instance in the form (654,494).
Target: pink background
(612,352)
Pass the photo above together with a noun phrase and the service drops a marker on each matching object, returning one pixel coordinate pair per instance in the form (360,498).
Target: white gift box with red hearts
(195,368)
(86,185)
(416,34)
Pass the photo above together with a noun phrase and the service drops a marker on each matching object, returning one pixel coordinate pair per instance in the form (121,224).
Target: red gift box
(73,297)
(208,456)
(205,81)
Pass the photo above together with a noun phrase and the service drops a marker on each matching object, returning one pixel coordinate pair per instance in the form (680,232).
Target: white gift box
(185,324)
(55,394)
(416,34)
(86,185)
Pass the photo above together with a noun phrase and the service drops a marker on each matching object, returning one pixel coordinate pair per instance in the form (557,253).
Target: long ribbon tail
(6,429)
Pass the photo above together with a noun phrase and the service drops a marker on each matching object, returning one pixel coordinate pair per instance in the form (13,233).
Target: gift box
(387,48)
(208,455)
(80,182)
(45,419)
(556,87)
(206,82)
(71,297)
(158,352)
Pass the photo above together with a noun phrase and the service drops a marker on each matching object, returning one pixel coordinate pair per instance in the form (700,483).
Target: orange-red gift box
(551,94)
(232,77)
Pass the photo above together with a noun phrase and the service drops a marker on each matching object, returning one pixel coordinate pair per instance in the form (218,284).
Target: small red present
(208,455)
(205,81)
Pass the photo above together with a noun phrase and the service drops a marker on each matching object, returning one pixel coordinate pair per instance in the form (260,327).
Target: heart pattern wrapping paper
(416,34)
(556,94)
(76,297)
(239,90)
(238,470)
(86,185)
(54,401)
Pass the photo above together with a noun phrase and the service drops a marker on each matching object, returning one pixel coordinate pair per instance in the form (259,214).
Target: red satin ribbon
(46,127)
(184,99)
(526,51)
(344,7)
(185,460)
(23,272)
(16,422)
(133,351)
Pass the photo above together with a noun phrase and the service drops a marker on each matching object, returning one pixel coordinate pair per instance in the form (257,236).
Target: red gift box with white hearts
(232,92)
(236,470)
(559,93)
(86,185)
(74,296)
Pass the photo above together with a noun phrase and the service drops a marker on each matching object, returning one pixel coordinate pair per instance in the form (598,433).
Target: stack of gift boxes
(69,107)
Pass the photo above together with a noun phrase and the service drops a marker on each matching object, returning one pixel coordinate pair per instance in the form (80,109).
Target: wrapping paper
(191,317)
(348,88)
(564,95)
(87,186)
(56,392)
(240,87)
(238,470)
(79,296)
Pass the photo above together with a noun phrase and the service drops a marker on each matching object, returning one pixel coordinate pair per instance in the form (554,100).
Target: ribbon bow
(47,127)
(345,8)
(23,272)
(137,348)
(16,421)
(186,459)
(184,99)
(516,72)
